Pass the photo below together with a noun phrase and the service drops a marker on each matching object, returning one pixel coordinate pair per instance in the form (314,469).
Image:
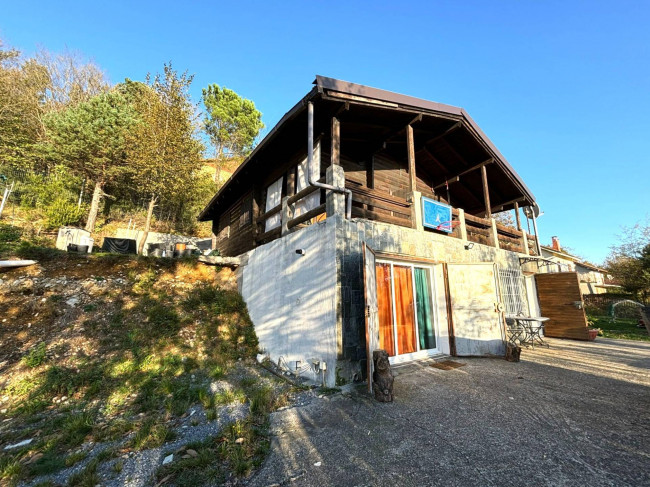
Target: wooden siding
(558,294)
(234,229)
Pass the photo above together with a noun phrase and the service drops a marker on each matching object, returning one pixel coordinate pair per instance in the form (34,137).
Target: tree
(23,84)
(73,79)
(89,138)
(629,261)
(163,149)
(231,122)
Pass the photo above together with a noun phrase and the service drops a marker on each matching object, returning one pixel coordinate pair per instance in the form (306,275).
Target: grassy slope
(139,348)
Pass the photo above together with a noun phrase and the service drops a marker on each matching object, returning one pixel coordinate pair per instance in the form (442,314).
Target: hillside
(110,364)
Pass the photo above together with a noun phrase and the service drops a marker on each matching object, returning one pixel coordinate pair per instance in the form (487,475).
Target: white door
(476,313)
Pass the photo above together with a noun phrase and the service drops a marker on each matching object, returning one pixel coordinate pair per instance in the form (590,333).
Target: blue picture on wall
(436,215)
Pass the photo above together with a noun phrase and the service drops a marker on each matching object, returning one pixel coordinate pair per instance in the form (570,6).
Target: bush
(9,233)
(63,212)
(35,356)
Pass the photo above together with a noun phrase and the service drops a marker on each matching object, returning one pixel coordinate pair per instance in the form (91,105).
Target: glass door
(407,325)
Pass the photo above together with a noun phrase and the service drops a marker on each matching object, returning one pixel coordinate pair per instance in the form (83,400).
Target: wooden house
(364,220)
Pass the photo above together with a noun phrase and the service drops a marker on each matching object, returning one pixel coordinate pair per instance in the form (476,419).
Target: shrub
(35,356)
(62,212)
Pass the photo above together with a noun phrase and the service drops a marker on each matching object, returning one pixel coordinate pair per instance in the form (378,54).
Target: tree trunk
(98,194)
(147,224)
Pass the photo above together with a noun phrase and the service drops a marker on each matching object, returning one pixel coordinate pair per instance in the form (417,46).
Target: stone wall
(382,237)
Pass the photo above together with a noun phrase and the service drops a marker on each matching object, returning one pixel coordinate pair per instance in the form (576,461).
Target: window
(405,308)
(513,291)
(246,215)
(273,200)
(313,200)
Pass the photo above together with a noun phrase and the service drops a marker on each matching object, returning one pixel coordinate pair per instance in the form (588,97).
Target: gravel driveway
(575,414)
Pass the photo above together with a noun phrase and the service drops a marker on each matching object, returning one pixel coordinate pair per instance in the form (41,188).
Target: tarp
(119,245)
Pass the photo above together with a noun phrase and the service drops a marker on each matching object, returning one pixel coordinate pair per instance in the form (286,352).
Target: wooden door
(372,325)
(560,300)
(477,320)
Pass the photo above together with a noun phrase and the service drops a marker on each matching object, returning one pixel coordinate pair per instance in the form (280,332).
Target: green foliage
(621,328)
(63,212)
(36,355)
(231,122)
(629,261)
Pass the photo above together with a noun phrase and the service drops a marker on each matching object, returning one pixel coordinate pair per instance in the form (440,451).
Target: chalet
(364,220)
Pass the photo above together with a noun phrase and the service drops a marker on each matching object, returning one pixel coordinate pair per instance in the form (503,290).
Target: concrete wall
(382,237)
(292,298)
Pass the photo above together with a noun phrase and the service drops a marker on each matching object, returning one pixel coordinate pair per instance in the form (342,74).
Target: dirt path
(575,414)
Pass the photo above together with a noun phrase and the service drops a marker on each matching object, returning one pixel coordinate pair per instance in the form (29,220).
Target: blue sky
(562,88)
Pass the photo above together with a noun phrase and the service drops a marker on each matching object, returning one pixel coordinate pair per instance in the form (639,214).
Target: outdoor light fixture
(300,251)
(469,246)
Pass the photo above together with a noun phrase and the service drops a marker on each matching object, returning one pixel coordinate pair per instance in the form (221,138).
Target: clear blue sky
(562,88)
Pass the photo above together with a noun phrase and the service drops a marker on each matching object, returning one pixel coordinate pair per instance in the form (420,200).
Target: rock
(19,444)
(192,453)
(239,441)
(72,302)
(317,464)
(168,459)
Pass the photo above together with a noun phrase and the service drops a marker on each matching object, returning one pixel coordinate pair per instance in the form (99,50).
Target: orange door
(404,310)
(385,309)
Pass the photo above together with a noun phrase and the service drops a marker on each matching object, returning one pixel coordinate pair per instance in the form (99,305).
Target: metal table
(526,330)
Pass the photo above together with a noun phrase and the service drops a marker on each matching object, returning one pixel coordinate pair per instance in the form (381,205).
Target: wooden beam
(486,193)
(411,158)
(456,177)
(370,173)
(454,127)
(382,144)
(500,207)
(335,153)
(517,215)
(449,181)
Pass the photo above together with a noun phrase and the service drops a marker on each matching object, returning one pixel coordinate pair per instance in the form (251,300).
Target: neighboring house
(593,279)
(383,238)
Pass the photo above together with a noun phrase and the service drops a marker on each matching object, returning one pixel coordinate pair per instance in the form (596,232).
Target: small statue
(382,377)
(512,352)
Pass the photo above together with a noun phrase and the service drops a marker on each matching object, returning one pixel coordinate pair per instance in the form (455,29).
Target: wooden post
(463,226)
(411,169)
(411,158)
(525,240)
(495,233)
(370,173)
(517,216)
(486,193)
(336,142)
(286,216)
(255,213)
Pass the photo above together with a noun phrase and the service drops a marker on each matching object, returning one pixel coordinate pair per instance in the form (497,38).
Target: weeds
(35,356)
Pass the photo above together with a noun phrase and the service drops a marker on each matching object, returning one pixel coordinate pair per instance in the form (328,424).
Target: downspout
(310,156)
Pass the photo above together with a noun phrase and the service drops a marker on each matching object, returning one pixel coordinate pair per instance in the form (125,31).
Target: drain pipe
(310,156)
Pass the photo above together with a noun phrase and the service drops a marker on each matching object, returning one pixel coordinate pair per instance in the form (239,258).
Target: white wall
(292,298)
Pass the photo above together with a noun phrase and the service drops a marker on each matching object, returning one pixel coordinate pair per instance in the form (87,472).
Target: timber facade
(318,231)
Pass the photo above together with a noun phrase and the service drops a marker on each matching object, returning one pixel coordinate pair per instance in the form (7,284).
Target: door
(476,313)
(370,291)
(560,300)
(405,314)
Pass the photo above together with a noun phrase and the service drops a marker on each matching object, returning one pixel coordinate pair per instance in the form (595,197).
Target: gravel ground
(138,467)
(575,414)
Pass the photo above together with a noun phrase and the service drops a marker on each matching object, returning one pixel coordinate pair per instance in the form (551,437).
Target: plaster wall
(292,298)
